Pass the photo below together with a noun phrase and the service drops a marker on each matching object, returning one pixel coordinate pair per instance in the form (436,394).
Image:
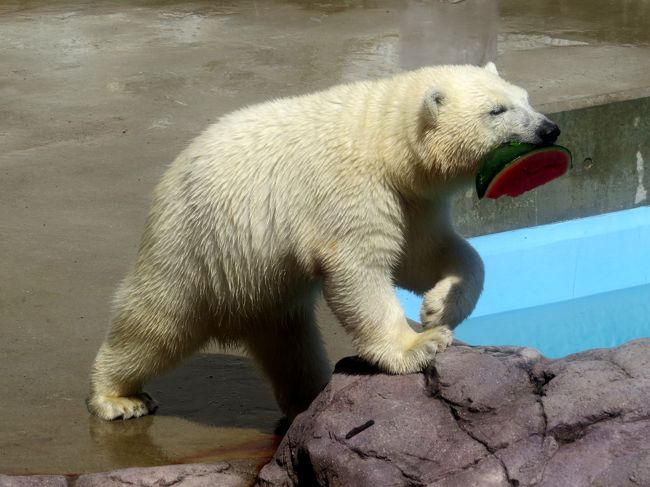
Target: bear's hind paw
(121,407)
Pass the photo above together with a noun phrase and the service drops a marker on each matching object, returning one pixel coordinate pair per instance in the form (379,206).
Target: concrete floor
(96,98)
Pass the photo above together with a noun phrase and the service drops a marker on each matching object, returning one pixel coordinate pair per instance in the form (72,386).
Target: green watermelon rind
(507,155)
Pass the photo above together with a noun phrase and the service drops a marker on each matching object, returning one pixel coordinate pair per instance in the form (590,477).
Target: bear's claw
(121,407)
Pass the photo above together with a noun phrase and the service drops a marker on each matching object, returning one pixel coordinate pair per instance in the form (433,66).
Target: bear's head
(468,111)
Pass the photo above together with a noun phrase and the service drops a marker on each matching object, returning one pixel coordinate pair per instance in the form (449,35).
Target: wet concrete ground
(95,101)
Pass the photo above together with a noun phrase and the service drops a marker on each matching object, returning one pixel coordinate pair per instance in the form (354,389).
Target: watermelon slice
(515,168)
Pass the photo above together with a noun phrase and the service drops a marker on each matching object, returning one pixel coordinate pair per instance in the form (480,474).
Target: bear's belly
(251,290)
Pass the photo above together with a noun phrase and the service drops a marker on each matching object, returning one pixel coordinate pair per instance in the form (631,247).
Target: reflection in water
(423,33)
(125,441)
(213,407)
(125,444)
(593,21)
(257,450)
(435,32)
(521,42)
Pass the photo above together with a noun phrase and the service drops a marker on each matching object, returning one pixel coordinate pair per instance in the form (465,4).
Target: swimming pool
(564,287)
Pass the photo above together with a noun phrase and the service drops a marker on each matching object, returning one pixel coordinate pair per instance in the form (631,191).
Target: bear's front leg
(364,300)
(460,283)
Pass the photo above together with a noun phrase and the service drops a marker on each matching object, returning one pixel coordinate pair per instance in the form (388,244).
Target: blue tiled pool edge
(538,267)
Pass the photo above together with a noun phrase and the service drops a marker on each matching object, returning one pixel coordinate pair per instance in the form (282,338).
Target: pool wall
(559,262)
(562,287)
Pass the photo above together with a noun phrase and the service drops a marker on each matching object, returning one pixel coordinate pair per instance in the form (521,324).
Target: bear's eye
(498,110)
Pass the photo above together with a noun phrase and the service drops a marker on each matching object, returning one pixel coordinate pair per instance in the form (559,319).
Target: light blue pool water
(562,288)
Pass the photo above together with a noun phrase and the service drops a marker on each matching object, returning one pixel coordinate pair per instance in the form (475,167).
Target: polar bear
(344,193)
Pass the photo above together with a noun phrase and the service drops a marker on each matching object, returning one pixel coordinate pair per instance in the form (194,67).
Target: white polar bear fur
(344,192)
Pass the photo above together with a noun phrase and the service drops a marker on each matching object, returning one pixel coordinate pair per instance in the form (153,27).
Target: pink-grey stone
(479,416)
(196,475)
(33,481)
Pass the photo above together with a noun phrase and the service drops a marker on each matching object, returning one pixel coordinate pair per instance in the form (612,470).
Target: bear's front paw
(433,340)
(121,407)
(419,350)
(427,344)
(445,305)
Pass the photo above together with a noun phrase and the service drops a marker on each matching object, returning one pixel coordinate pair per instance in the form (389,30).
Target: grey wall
(610,145)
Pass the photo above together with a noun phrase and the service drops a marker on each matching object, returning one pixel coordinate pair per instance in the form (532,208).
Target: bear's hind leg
(291,354)
(145,340)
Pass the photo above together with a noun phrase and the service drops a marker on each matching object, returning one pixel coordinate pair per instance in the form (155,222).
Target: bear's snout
(548,131)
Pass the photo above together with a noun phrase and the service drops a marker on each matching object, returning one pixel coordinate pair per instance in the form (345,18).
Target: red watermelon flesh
(528,172)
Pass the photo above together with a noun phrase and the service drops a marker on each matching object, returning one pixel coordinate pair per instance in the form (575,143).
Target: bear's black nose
(548,132)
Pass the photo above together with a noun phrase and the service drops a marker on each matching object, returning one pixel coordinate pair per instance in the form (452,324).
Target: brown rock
(33,481)
(197,475)
(479,416)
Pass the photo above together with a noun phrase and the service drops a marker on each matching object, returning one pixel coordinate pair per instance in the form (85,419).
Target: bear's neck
(390,122)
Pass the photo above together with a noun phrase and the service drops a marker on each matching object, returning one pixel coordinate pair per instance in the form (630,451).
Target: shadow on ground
(217,390)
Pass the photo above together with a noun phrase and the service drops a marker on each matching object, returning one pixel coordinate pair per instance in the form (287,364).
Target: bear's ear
(433,98)
(491,68)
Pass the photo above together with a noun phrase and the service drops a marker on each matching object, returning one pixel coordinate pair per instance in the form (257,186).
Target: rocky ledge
(480,416)
(198,475)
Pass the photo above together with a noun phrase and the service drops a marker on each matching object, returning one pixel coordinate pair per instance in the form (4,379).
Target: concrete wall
(610,144)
